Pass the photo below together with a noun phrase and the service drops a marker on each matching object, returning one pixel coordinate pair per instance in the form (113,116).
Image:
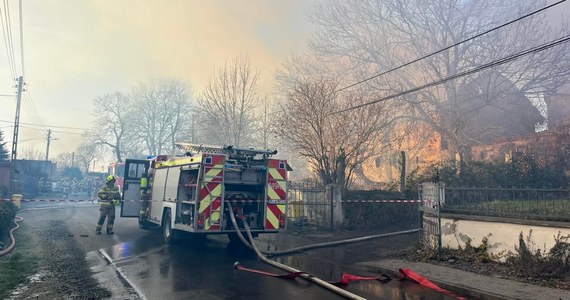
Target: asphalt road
(135,264)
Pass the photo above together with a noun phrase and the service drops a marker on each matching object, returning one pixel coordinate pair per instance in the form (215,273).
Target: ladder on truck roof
(234,153)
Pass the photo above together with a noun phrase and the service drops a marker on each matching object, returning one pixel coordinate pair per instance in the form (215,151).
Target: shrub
(522,173)
(536,263)
(7,214)
(469,253)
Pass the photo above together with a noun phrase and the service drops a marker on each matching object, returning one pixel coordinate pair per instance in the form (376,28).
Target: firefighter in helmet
(109,197)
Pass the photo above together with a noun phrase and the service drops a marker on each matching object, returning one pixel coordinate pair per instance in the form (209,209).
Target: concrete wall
(503,234)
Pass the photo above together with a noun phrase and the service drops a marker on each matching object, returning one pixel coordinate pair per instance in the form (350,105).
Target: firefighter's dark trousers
(145,197)
(106,211)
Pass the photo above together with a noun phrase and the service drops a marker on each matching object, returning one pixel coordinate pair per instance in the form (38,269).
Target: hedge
(7,214)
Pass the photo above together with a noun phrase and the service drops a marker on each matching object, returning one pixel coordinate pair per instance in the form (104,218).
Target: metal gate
(432,196)
(309,206)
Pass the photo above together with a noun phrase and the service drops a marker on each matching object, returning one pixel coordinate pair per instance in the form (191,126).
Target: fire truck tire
(144,224)
(167,231)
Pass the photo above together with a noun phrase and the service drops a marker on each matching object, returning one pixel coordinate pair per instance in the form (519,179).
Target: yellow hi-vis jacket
(109,193)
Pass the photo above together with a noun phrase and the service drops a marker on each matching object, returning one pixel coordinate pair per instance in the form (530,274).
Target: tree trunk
(402,171)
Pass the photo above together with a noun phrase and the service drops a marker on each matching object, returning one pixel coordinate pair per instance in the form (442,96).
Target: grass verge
(17,266)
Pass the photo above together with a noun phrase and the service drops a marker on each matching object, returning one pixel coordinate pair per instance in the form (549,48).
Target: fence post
(334,199)
(420,213)
(438,199)
(336,207)
(329,194)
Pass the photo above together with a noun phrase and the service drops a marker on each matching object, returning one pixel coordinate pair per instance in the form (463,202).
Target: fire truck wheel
(144,224)
(167,231)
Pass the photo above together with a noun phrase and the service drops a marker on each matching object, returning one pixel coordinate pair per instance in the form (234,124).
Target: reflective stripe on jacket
(108,193)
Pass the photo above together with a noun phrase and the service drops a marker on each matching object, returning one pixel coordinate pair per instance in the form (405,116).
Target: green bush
(523,173)
(3,191)
(7,214)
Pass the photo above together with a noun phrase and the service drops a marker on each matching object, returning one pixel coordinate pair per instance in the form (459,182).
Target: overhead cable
(465,73)
(452,46)
(22,40)
(7,43)
(50,126)
(9,28)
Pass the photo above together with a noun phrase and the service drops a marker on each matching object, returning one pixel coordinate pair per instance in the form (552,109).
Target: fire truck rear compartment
(246,200)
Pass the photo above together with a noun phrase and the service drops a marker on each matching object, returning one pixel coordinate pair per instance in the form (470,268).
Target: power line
(34,112)
(501,61)
(9,27)
(22,40)
(7,43)
(51,126)
(31,139)
(449,47)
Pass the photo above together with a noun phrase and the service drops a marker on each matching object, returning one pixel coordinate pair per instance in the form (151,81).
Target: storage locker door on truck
(134,170)
(158,187)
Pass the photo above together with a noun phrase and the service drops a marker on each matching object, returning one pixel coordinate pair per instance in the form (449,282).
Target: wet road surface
(202,268)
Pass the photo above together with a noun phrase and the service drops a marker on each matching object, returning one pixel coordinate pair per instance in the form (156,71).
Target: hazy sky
(75,51)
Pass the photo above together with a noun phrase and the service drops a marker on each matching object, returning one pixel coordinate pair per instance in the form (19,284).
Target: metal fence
(309,206)
(313,206)
(432,196)
(536,204)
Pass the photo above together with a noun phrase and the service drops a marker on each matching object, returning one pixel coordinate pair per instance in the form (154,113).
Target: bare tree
(113,119)
(379,35)
(335,144)
(229,102)
(64,160)
(31,153)
(86,152)
(264,123)
(162,113)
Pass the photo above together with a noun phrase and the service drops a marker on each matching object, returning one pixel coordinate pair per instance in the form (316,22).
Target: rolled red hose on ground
(407,273)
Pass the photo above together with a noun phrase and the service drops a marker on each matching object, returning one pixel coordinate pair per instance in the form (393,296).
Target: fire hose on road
(346,278)
(316,280)
(319,245)
(12,239)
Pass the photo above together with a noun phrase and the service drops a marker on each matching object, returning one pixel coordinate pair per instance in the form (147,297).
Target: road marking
(135,288)
(116,238)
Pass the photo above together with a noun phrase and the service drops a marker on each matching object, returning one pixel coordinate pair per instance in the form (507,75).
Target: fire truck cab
(191,192)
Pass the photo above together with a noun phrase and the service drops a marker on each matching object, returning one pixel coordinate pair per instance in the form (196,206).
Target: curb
(123,277)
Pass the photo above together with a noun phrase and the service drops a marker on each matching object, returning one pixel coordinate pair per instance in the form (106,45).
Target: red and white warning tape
(386,201)
(47,200)
(235,201)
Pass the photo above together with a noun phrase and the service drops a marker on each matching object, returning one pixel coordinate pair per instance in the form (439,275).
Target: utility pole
(72,159)
(15,136)
(17,119)
(48,142)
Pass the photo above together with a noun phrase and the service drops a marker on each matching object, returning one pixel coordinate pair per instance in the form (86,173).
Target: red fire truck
(117,169)
(191,192)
